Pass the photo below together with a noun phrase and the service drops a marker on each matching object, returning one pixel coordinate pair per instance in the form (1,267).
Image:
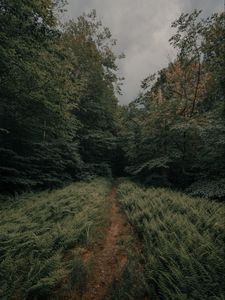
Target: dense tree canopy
(57,95)
(59,114)
(174,132)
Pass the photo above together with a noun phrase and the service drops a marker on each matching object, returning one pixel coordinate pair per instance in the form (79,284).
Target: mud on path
(110,259)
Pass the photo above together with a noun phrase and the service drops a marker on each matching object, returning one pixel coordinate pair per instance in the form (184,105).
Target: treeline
(173,134)
(57,100)
(59,115)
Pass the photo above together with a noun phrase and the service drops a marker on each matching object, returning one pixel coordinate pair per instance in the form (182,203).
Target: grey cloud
(207,6)
(142,29)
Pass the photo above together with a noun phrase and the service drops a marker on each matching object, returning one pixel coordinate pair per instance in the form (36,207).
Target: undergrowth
(183,242)
(40,238)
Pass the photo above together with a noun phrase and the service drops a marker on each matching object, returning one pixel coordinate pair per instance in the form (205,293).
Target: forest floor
(109,257)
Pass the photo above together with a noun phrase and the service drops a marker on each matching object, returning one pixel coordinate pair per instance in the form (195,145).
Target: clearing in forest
(71,243)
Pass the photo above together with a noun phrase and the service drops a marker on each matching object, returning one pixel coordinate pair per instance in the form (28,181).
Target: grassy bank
(183,242)
(42,236)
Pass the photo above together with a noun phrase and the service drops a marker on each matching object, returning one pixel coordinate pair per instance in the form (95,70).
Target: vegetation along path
(110,259)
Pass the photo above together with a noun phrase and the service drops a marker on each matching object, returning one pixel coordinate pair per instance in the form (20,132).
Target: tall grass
(41,234)
(184,242)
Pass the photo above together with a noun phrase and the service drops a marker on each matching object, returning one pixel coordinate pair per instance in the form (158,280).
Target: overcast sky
(142,29)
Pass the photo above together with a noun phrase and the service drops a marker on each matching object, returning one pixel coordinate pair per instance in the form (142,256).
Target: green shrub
(214,189)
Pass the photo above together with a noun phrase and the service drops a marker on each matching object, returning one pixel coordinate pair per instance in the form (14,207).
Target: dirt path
(110,260)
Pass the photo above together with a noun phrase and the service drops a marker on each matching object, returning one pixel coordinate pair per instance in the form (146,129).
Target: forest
(80,173)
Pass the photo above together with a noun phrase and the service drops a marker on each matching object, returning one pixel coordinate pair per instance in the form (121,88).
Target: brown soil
(110,260)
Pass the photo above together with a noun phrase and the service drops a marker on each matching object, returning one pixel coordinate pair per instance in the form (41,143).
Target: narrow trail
(110,259)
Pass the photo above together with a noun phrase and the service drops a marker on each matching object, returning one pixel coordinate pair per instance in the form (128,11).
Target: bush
(214,189)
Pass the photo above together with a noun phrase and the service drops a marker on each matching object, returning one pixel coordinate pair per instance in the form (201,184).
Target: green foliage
(214,189)
(183,242)
(173,133)
(57,96)
(37,231)
(37,95)
(92,45)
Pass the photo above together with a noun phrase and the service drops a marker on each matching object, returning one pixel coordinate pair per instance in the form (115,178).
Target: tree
(92,44)
(58,100)
(178,119)
(36,88)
